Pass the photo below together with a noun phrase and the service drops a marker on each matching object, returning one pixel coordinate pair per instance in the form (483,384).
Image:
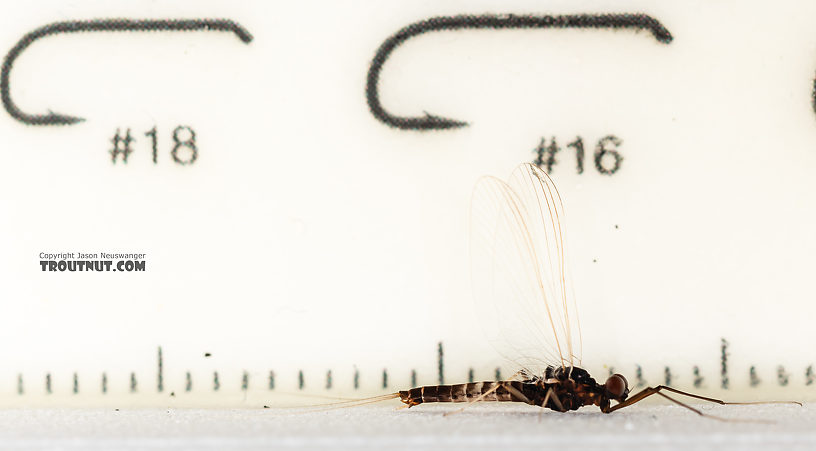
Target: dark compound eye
(616,386)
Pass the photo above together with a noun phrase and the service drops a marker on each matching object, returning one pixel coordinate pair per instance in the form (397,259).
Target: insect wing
(518,267)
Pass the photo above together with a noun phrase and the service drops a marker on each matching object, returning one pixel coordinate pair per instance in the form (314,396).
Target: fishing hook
(93,26)
(496,22)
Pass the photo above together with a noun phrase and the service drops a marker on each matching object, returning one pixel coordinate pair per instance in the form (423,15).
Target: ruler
(264,203)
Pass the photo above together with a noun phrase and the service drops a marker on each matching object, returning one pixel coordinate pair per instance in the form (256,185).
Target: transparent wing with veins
(521,286)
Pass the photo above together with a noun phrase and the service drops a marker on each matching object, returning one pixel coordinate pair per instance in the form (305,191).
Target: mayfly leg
(649,391)
(551,393)
(481,397)
(474,400)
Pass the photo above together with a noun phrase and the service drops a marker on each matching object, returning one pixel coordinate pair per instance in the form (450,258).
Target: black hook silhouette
(449,23)
(813,96)
(98,25)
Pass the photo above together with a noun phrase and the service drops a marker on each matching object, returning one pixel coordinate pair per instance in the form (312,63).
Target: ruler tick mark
(753,377)
(639,381)
(724,382)
(160,376)
(441,364)
(698,379)
(782,377)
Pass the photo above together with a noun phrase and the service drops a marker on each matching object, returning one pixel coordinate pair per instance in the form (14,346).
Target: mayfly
(523,290)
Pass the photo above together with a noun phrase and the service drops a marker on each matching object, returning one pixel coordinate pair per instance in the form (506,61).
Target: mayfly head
(616,387)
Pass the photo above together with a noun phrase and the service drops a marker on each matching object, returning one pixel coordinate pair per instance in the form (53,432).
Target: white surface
(494,426)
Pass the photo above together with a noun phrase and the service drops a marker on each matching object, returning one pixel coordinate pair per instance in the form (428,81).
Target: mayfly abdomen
(509,391)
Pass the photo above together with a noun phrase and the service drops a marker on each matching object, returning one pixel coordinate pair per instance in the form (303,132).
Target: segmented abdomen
(511,391)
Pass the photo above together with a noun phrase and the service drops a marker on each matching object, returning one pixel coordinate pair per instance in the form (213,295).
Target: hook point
(61,119)
(441,123)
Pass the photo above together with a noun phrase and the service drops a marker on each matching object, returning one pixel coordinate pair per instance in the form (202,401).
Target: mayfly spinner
(522,287)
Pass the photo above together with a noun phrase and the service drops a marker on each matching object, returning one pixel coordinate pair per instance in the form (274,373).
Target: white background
(309,236)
